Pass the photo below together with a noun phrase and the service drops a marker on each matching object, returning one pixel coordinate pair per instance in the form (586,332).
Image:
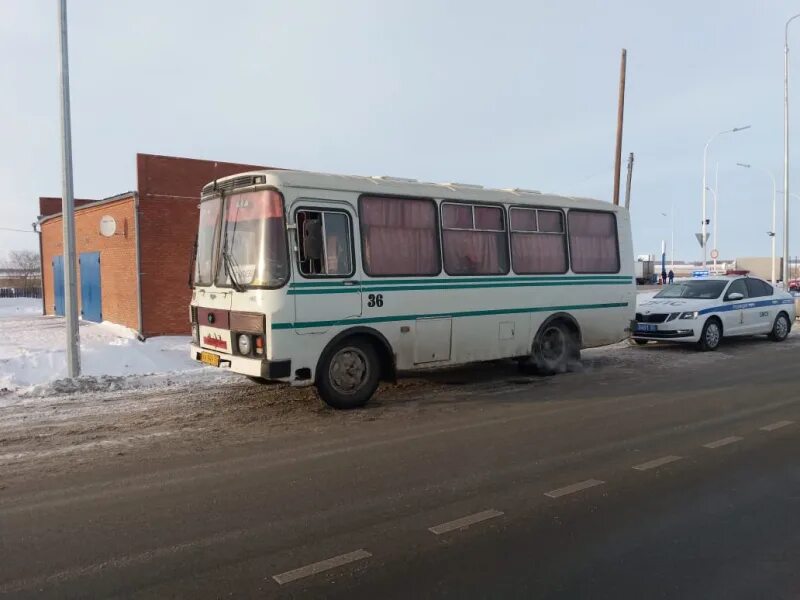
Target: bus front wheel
(349,374)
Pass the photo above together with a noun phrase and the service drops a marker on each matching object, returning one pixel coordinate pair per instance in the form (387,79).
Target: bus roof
(401,187)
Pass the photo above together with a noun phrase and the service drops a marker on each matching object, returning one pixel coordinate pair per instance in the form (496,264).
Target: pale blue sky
(502,93)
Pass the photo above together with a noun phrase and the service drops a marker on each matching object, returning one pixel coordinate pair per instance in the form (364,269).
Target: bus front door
(326,291)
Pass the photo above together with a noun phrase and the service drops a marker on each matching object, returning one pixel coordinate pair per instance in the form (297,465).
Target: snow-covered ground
(33,357)
(12,307)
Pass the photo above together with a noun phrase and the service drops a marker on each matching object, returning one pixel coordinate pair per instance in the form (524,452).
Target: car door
(760,313)
(733,312)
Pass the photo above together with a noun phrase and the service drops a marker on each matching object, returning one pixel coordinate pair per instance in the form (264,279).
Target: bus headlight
(244,344)
(689,315)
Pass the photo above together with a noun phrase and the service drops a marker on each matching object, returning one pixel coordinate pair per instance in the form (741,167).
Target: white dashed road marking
(664,460)
(723,442)
(774,426)
(465,522)
(575,487)
(319,567)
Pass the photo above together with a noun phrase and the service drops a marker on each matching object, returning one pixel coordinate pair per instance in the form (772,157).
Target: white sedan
(703,311)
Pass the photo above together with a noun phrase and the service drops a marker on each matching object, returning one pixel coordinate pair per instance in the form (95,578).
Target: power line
(18,230)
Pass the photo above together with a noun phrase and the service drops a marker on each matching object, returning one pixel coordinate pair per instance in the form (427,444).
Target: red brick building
(136,272)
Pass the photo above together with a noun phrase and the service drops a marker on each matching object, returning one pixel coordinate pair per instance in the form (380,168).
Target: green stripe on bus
(469,313)
(395,288)
(475,280)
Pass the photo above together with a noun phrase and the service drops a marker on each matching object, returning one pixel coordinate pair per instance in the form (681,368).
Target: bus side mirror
(312,239)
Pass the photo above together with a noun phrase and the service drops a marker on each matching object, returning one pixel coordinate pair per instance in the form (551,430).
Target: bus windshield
(253,241)
(206,241)
(699,290)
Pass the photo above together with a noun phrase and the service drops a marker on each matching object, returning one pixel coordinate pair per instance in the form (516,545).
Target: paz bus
(344,281)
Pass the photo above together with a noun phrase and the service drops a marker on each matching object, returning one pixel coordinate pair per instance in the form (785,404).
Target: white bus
(344,281)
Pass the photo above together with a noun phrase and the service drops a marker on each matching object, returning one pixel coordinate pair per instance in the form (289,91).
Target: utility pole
(68,207)
(628,182)
(620,114)
(785,270)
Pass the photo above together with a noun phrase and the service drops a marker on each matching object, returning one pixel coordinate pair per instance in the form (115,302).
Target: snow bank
(33,358)
(12,307)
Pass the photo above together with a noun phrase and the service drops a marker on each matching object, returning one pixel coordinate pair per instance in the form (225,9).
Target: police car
(703,311)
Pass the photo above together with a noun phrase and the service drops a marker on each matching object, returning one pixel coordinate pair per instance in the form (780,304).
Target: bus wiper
(230,270)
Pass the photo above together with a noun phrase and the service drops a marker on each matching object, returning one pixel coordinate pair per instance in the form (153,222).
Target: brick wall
(117,257)
(169,192)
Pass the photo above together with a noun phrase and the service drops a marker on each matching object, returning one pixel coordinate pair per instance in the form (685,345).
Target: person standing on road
(664,277)
(671,276)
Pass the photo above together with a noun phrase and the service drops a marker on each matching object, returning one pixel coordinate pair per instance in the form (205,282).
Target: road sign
(700,239)
(714,254)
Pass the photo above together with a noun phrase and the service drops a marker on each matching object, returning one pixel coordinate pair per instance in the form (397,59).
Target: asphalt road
(675,482)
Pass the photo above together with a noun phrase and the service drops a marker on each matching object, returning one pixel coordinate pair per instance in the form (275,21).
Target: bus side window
(325,244)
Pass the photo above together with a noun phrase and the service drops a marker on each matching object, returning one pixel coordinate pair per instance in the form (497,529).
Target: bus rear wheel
(349,374)
(555,349)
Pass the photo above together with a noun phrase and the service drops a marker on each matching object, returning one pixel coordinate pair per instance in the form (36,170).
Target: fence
(18,292)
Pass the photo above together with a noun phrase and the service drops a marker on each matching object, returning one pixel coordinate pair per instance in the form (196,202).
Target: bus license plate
(209,359)
(645,328)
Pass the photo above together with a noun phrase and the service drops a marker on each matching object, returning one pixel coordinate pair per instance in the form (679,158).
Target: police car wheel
(711,336)
(780,329)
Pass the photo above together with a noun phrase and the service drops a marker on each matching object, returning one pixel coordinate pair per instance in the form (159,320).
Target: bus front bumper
(273,370)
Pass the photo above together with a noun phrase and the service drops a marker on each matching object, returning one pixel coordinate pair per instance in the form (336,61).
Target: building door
(58,285)
(91,306)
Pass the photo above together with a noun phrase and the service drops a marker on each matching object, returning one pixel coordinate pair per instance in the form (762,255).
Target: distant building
(760,266)
(135,248)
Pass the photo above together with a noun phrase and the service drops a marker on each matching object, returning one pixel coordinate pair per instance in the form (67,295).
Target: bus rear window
(593,245)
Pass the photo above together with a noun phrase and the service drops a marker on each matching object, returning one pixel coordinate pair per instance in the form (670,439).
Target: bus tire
(555,348)
(781,328)
(349,374)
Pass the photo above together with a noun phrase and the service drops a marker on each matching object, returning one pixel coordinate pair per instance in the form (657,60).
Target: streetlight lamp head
(735,129)
(745,165)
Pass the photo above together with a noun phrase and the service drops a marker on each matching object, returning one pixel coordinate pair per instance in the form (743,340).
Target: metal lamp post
(773,232)
(671,235)
(714,258)
(705,186)
(68,206)
(786,148)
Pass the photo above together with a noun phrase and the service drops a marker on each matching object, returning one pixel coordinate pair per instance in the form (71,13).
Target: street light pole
(716,198)
(714,192)
(671,235)
(773,232)
(705,186)
(786,148)
(68,206)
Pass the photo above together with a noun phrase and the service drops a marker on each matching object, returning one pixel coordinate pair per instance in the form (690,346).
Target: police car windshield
(701,290)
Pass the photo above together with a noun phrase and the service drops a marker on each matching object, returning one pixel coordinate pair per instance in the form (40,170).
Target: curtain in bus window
(457,216)
(475,252)
(593,242)
(400,236)
(533,253)
(551,221)
(337,244)
(523,219)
